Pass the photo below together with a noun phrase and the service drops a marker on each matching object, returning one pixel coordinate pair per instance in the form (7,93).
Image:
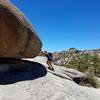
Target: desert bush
(87,63)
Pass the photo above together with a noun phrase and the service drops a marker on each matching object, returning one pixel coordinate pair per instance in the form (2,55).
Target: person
(49,60)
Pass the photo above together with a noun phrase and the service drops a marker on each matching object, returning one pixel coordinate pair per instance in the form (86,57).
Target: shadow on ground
(20,70)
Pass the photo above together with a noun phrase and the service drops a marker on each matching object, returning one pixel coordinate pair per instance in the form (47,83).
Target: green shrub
(87,62)
(92,80)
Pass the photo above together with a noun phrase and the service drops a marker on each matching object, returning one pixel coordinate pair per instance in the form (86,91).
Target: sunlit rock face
(17,37)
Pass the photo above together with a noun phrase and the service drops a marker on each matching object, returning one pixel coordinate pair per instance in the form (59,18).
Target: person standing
(49,60)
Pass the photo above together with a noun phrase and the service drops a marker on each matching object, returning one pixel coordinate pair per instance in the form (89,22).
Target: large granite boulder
(17,37)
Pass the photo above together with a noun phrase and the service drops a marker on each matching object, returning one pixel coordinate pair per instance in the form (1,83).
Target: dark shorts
(49,59)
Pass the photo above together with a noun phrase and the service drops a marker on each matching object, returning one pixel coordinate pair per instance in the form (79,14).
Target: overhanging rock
(17,37)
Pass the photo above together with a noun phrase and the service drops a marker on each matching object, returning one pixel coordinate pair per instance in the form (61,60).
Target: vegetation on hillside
(88,64)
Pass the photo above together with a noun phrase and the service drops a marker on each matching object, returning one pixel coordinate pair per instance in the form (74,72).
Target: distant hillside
(86,61)
(63,57)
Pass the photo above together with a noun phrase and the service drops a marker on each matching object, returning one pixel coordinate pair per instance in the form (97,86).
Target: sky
(64,24)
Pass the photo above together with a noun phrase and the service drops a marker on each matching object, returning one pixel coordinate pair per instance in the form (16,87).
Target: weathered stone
(17,37)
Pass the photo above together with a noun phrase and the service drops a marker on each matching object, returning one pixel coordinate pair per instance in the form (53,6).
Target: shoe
(48,67)
(51,68)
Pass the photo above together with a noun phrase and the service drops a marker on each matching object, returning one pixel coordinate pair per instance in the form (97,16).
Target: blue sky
(62,24)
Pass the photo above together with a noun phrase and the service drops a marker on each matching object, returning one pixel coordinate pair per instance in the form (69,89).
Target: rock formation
(28,85)
(17,37)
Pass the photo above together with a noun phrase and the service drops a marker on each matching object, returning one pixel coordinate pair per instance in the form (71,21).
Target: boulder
(17,37)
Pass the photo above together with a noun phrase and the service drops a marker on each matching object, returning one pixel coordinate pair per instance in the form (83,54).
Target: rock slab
(48,87)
